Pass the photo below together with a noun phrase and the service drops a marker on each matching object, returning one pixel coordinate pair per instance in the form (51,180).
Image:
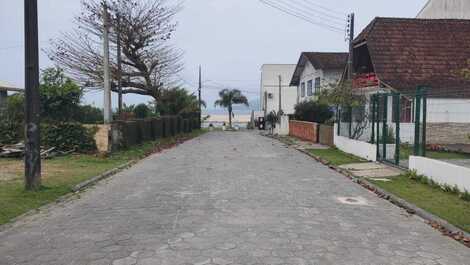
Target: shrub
(88,114)
(313,111)
(142,111)
(11,117)
(67,136)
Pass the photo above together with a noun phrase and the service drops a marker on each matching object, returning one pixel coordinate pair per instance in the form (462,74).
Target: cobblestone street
(227,198)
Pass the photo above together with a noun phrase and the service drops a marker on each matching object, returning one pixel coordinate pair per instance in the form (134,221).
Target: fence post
(338,112)
(350,121)
(372,140)
(425,105)
(397,130)
(417,120)
(385,128)
(378,125)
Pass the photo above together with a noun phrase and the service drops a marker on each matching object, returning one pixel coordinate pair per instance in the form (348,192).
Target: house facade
(4,88)
(269,91)
(399,55)
(316,71)
(439,9)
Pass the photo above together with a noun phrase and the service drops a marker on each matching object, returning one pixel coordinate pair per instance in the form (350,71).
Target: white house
(454,9)
(315,71)
(273,76)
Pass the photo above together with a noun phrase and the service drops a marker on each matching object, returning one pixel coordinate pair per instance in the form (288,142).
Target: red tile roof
(319,60)
(406,53)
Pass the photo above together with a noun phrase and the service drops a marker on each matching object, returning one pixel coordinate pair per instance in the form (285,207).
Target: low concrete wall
(326,135)
(307,131)
(442,172)
(282,128)
(357,148)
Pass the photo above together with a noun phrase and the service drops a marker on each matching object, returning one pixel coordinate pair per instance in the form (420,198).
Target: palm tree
(228,98)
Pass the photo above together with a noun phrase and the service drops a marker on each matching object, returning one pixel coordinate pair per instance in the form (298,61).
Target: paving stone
(260,203)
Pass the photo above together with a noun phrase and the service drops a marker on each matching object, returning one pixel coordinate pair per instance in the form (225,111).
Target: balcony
(365,80)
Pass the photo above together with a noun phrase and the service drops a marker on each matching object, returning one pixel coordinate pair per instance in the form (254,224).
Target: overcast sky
(231,39)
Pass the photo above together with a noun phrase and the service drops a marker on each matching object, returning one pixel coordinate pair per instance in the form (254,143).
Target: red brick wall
(307,131)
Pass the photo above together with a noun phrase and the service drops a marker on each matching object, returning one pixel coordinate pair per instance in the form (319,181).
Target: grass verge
(61,174)
(335,156)
(446,205)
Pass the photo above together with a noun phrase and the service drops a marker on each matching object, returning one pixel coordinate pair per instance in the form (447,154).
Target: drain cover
(353,200)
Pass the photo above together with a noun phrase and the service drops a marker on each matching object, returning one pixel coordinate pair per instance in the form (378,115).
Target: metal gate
(386,122)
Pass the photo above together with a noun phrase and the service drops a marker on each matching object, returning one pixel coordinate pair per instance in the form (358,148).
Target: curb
(434,221)
(105,175)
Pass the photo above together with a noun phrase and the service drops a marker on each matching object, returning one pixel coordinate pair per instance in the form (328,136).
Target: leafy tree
(149,60)
(177,101)
(313,111)
(12,117)
(228,98)
(60,96)
(89,114)
(142,111)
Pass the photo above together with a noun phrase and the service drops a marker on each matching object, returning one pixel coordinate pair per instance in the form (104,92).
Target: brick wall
(307,131)
(326,134)
(448,133)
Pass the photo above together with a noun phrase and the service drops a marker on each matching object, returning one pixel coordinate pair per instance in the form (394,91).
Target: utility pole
(107,84)
(199,93)
(280,93)
(32,109)
(119,63)
(351,47)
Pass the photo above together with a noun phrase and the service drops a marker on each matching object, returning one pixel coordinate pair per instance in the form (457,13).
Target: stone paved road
(227,198)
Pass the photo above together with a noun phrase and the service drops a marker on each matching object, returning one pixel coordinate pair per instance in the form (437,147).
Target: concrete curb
(435,222)
(105,175)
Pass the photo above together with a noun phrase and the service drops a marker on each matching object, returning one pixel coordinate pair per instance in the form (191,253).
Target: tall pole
(199,93)
(280,93)
(107,83)
(32,109)
(351,47)
(119,64)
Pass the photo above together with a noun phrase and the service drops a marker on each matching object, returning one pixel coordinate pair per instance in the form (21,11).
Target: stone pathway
(227,198)
(372,170)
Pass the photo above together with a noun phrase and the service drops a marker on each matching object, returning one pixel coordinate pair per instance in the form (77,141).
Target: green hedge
(68,136)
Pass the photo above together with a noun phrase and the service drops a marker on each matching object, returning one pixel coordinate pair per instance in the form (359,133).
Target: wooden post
(32,104)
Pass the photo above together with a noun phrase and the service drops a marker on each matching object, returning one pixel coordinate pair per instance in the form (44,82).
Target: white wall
(358,148)
(310,73)
(446,9)
(442,172)
(449,110)
(270,83)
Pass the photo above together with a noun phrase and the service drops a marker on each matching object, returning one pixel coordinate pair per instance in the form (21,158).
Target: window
(406,110)
(302,89)
(317,85)
(310,88)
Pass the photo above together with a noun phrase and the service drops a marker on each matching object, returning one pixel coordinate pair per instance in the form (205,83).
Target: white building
(458,9)
(316,71)
(269,92)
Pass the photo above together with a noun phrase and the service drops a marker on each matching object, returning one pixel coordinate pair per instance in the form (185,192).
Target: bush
(313,112)
(142,111)
(68,136)
(11,120)
(88,114)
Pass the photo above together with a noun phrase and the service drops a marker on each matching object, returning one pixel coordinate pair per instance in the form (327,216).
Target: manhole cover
(353,200)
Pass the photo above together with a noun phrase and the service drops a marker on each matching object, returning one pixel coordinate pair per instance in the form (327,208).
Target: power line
(323,15)
(303,17)
(325,8)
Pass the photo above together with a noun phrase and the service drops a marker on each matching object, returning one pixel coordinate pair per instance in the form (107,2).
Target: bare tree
(150,62)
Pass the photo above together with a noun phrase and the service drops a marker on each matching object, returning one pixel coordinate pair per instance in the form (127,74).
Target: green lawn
(61,174)
(407,151)
(335,156)
(446,205)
